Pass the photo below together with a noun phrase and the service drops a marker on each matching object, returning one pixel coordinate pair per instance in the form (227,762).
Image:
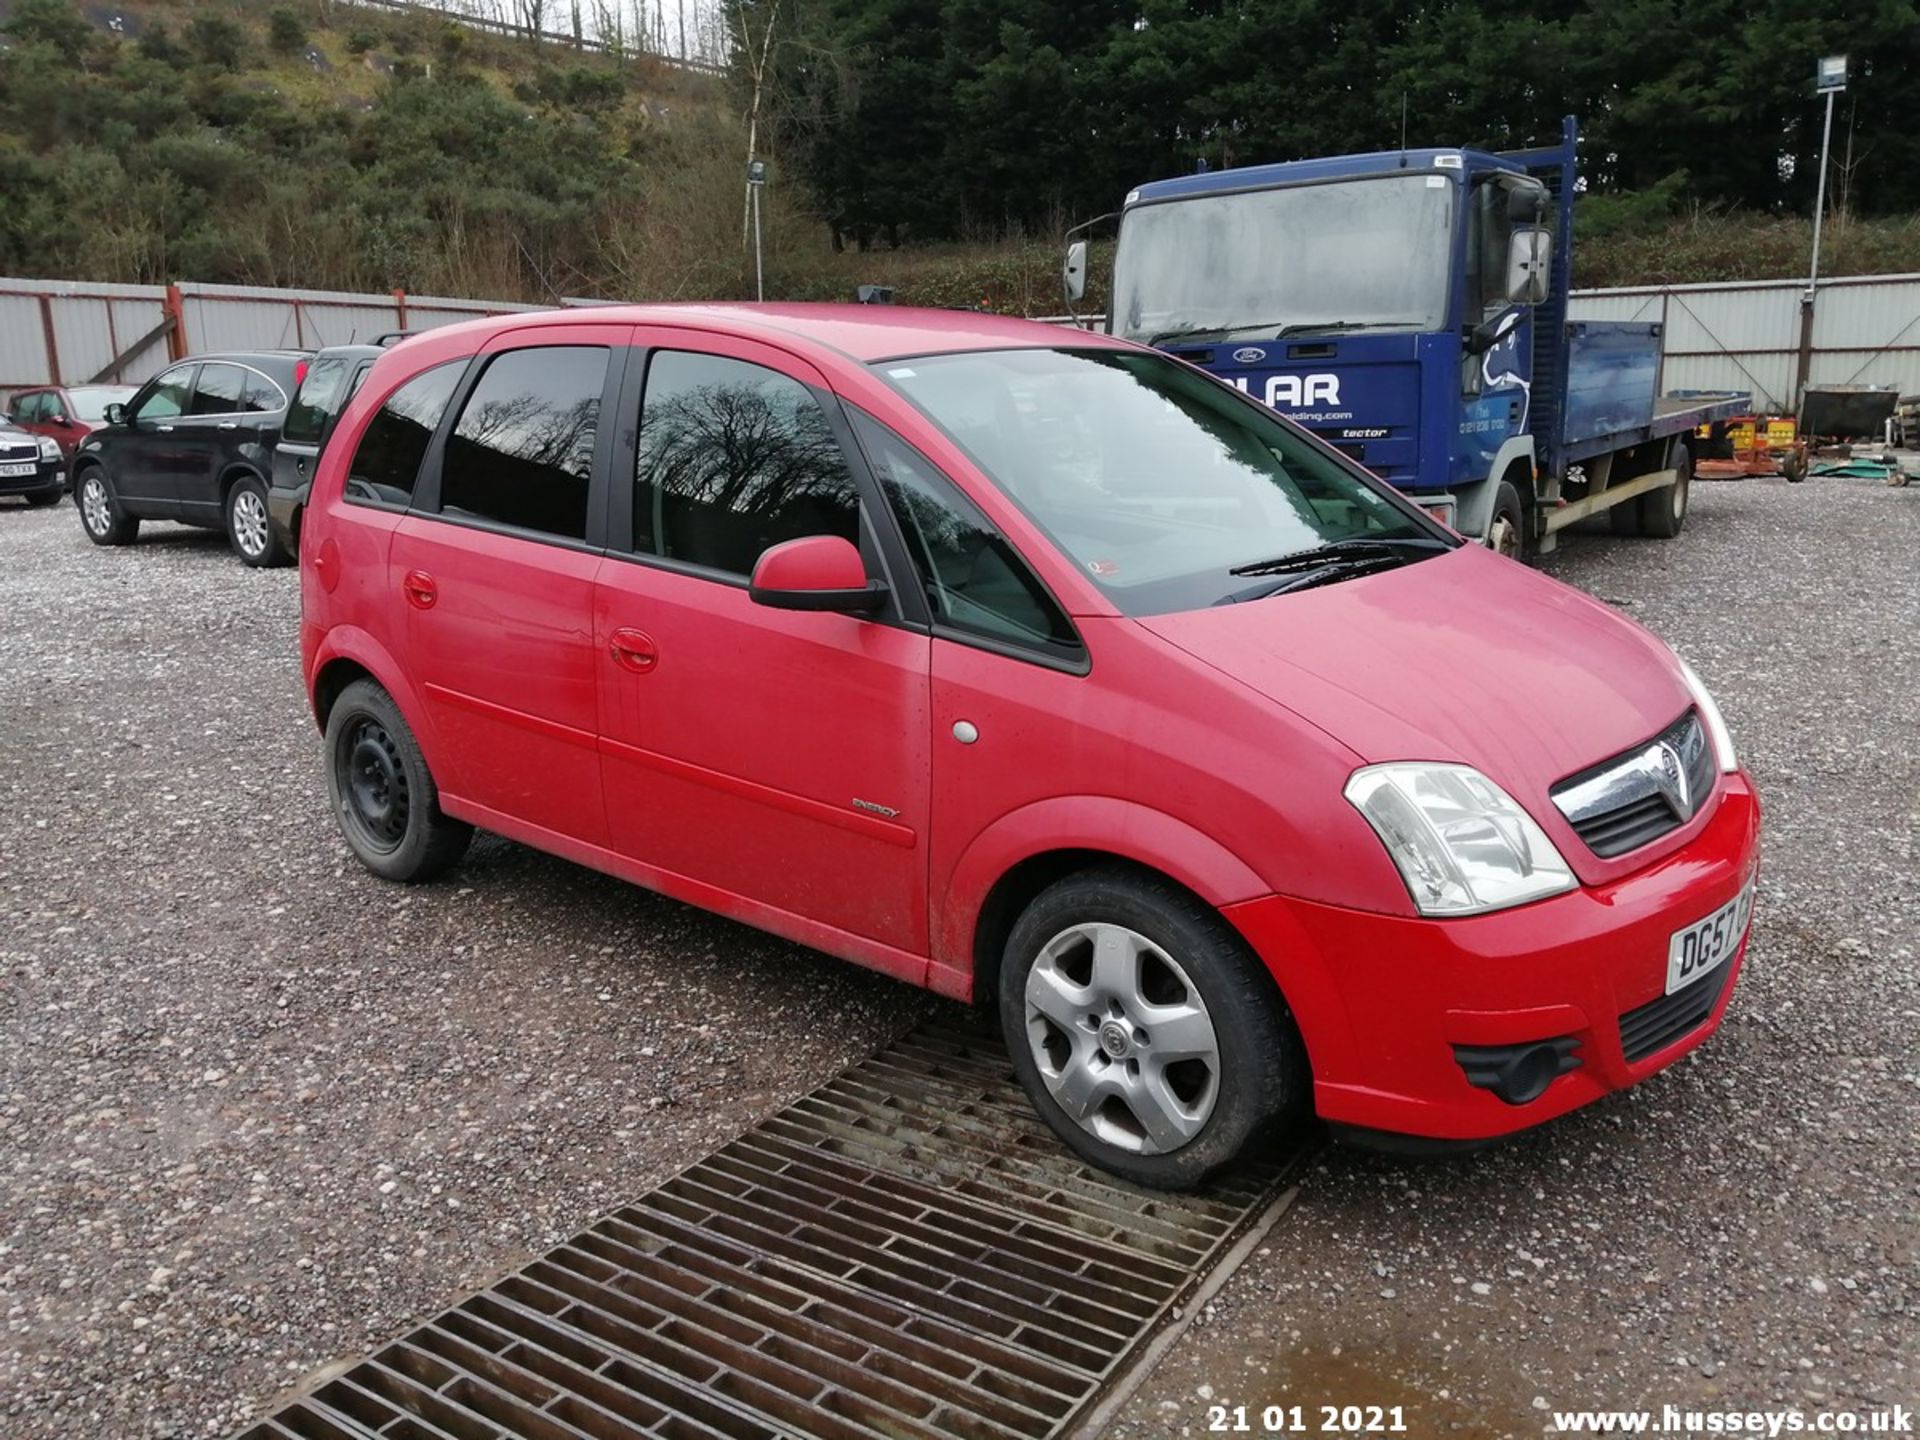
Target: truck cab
(1410,309)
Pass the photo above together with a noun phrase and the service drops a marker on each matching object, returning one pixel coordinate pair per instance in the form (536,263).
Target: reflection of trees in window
(729,468)
(532,429)
(395,441)
(522,451)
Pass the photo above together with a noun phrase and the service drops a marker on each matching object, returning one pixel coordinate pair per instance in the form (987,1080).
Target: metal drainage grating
(905,1252)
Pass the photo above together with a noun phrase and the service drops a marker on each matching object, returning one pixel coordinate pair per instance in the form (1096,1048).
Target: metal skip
(905,1252)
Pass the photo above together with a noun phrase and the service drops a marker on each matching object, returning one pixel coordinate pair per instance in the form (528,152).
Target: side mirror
(1529,266)
(1073,273)
(115,414)
(815,572)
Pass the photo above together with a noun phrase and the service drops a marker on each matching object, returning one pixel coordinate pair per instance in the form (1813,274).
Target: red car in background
(66,414)
(1046,671)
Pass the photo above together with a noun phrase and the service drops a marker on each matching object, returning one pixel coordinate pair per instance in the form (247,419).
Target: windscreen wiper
(1356,547)
(1209,332)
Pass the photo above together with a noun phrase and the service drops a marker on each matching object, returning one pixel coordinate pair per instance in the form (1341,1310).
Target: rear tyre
(249,530)
(1507,530)
(1146,1034)
(101,515)
(383,795)
(1663,512)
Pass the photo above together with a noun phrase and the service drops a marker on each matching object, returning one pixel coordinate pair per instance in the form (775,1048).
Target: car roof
(285,356)
(864,333)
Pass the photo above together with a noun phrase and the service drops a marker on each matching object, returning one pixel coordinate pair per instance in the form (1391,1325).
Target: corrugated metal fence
(70,332)
(1745,335)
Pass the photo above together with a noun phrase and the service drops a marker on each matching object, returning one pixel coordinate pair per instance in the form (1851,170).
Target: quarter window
(973,578)
(734,458)
(522,452)
(218,392)
(169,394)
(387,461)
(259,395)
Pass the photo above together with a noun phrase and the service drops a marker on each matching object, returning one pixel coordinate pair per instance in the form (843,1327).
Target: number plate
(1704,945)
(18,469)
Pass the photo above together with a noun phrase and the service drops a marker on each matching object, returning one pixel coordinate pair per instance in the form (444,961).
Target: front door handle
(164,429)
(229,425)
(421,590)
(634,650)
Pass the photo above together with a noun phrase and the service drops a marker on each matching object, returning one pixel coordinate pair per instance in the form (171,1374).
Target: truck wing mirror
(1529,266)
(1073,273)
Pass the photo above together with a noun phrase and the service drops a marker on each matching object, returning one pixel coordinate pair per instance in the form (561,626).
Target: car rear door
(203,437)
(495,566)
(768,763)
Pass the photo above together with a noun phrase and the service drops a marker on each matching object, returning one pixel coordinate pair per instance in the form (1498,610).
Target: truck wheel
(1507,530)
(1625,519)
(1663,512)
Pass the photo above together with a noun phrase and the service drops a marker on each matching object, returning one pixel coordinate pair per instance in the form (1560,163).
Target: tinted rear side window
(319,396)
(522,451)
(387,462)
(218,392)
(260,395)
(734,458)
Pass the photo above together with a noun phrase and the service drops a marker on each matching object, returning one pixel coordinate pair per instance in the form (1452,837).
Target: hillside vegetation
(335,146)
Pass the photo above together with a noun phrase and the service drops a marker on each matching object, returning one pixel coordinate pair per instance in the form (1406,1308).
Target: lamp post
(1829,79)
(756,182)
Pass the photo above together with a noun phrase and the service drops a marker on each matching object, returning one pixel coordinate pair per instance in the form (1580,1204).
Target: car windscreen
(1160,483)
(90,402)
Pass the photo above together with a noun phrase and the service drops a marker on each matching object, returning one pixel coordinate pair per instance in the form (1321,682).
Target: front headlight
(1710,714)
(1460,842)
(49,448)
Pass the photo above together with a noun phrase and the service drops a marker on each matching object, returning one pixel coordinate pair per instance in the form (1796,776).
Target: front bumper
(46,477)
(1387,1004)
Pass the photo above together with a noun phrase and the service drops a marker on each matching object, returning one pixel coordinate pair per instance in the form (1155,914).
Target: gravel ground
(1743,1231)
(258,1110)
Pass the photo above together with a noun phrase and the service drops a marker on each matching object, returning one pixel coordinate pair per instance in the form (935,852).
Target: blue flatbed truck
(1410,308)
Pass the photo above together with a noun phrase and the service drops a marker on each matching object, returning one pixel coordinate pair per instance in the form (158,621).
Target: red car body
(67,418)
(662,727)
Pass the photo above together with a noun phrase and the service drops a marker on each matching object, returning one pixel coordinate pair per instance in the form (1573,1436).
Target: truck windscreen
(1347,255)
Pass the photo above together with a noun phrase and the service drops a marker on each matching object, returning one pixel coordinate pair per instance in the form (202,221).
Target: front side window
(974,580)
(1168,490)
(218,392)
(734,458)
(521,453)
(386,463)
(168,397)
(320,394)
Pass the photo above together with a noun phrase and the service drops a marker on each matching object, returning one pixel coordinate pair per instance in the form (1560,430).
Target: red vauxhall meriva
(1048,672)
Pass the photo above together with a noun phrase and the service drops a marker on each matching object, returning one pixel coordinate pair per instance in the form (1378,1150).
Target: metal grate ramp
(906,1252)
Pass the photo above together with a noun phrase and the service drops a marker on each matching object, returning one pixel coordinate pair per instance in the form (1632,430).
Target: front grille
(1657,1024)
(12,453)
(1636,797)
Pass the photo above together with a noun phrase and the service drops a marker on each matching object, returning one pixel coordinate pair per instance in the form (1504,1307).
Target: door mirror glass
(1529,261)
(815,572)
(115,414)
(1073,273)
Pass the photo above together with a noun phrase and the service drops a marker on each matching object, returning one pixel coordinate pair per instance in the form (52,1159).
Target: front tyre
(1144,1031)
(249,530)
(383,795)
(100,513)
(1507,529)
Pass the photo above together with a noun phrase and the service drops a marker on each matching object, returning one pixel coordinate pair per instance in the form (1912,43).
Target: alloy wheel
(250,522)
(95,509)
(1122,1038)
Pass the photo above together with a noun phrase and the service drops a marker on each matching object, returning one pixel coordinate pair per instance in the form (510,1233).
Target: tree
(286,31)
(218,41)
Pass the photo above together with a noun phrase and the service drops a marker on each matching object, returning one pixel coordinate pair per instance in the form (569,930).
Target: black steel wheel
(383,795)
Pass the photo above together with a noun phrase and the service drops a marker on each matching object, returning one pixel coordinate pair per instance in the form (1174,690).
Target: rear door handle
(634,650)
(420,589)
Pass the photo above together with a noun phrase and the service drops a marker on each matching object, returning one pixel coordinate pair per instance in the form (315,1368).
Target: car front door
(768,763)
(142,453)
(495,566)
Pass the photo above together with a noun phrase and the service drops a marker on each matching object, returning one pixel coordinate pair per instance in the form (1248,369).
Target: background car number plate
(17,469)
(1703,945)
